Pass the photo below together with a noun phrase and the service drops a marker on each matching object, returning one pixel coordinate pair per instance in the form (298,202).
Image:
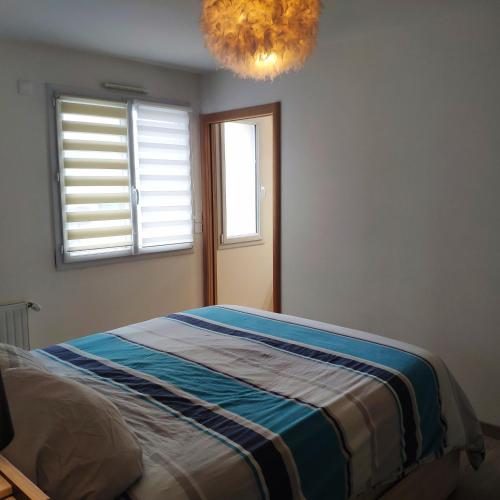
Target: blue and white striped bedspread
(235,403)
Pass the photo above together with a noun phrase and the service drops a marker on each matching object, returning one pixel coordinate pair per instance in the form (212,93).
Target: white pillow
(68,439)
(13,357)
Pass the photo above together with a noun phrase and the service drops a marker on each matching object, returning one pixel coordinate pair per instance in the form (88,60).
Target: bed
(235,403)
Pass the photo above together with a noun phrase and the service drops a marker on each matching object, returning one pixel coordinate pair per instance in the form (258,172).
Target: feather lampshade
(260,39)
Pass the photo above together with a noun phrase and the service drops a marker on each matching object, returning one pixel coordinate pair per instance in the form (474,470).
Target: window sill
(67,266)
(241,244)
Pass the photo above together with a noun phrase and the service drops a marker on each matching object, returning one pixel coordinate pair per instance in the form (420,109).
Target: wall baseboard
(491,430)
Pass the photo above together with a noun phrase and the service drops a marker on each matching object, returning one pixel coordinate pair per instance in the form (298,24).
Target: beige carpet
(483,484)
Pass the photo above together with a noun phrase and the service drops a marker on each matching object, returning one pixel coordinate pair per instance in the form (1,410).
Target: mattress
(237,403)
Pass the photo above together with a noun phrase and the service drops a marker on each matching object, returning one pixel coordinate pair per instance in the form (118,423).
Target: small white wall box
(25,87)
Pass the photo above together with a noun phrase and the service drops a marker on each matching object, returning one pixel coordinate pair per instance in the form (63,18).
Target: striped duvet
(236,403)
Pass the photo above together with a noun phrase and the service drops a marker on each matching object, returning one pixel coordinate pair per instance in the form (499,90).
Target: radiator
(14,325)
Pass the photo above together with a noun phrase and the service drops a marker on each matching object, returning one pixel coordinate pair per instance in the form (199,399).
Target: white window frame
(252,239)
(61,260)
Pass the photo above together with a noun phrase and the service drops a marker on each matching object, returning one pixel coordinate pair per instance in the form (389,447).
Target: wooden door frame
(209,195)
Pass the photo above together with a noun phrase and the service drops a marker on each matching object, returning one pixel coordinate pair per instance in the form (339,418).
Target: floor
(483,484)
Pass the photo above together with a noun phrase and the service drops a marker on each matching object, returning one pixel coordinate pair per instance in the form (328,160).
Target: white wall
(78,301)
(391,182)
(245,273)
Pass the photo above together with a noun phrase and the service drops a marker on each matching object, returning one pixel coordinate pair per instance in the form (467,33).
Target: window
(124,178)
(240,183)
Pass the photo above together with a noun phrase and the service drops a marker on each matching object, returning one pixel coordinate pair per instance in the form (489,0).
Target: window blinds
(100,216)
(94,176)
(162,176)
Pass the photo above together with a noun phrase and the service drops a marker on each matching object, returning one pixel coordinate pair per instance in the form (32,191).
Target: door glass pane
(240,180)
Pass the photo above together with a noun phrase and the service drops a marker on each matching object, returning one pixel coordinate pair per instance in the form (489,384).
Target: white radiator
(14,326)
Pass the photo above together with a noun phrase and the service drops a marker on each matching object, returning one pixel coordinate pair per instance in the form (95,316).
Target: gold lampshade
(260,39)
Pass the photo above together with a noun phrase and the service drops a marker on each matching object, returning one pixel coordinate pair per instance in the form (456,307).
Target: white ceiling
(167,31)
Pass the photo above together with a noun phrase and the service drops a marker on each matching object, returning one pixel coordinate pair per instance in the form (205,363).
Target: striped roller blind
(163,176)
(94,177)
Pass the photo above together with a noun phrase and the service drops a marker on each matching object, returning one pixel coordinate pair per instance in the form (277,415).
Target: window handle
(137,196)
